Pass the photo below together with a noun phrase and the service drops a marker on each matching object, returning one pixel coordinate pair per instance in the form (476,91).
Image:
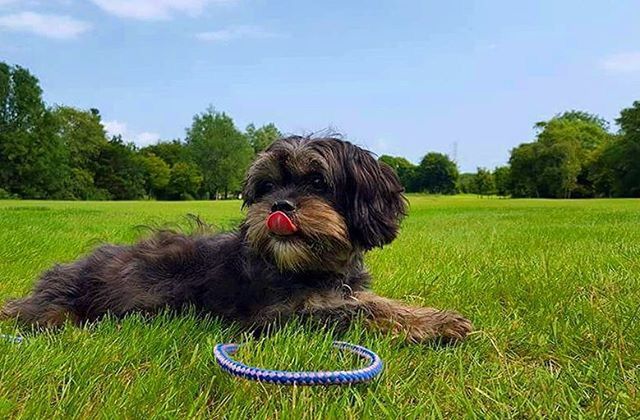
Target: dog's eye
(318,183)
(265,187)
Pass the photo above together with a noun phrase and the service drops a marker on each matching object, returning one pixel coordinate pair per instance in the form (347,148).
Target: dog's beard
(321,242)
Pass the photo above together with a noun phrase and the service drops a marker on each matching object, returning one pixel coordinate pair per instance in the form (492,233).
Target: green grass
(553,288)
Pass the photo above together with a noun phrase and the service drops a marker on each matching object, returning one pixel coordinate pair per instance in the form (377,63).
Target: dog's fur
(346,203)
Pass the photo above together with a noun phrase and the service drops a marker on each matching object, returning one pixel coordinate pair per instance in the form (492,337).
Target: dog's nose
(283,205)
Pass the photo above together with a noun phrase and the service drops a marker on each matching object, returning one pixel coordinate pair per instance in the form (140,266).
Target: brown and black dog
(314,207)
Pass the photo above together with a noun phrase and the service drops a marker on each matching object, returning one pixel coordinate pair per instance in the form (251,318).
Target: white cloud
(114,128)
(622,63)
(48,25)
(146,138)
(235,32)
(117,128)
(154,9)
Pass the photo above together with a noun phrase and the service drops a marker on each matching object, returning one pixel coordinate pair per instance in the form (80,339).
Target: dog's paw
(429,324)
(455,328)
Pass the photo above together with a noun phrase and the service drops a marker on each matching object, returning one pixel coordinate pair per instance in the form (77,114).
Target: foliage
(484,182)
(83,136)
(171,152)
(624,154)
(556,165)
(261,138)
(157,174)
(502,179)
(406,171)
(185,181)
(437,174)
(63,152)
(120,172)
(466,184)
(222,153)
(33,159)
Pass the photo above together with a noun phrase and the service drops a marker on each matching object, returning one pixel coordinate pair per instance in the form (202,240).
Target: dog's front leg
(415,324)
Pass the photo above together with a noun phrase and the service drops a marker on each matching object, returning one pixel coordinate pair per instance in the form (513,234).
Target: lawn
(553,288)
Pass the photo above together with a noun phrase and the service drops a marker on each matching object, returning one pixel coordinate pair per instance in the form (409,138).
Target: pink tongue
(280,224)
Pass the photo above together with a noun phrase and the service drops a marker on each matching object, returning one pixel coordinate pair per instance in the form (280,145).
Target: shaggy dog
(314,207)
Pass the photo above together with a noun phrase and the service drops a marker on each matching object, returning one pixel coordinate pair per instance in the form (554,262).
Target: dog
(314,207)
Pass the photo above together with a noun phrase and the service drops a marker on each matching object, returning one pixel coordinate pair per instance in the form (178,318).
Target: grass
(553,288)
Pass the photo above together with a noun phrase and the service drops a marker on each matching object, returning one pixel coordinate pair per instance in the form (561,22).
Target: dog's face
(314,203)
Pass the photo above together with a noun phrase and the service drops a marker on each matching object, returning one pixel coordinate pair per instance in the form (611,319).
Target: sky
(466,78)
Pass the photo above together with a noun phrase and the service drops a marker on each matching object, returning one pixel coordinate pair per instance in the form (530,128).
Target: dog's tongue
(280,224)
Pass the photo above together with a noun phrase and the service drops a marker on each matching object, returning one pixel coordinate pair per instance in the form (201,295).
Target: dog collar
(222,354)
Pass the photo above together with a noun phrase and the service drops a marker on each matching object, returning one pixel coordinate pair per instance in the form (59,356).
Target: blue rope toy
(222,354)
(12,338)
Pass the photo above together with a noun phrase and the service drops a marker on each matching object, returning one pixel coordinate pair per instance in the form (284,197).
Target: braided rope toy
(222,354)
(12,338)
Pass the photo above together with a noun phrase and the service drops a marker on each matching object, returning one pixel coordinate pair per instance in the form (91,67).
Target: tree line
(61,152)
(574,155)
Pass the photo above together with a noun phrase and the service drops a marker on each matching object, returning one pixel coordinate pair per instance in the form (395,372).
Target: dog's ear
(374,199)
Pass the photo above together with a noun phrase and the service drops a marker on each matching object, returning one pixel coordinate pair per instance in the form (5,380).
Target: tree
(576,115)
(629,176)
(502,179)
(466,183)
(437,174)
(185,181)
(616,167)
(83,136)
(222,153)
(484,182)
(119,171)
(171,152)
(157,174)
(405,170)
(557,164)
(33,160)
(261,138)
(524,170)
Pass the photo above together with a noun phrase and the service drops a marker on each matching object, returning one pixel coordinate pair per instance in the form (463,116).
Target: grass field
(553,288)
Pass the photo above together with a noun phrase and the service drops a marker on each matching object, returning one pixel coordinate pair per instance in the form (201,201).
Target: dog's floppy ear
(374,202)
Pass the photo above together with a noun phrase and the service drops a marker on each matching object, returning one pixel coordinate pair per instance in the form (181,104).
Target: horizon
(428,78)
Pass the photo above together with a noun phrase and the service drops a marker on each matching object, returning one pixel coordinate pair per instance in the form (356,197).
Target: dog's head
(315,202)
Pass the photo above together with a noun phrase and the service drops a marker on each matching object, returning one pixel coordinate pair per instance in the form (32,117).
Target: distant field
(553,288)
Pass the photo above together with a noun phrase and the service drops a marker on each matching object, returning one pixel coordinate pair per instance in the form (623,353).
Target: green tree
(222,153)
(576,115)
(629,175)
(502,179)
(185,181)
(261,138)
(119,171)
(616,167)
(83,136)
(33,159)
(405,170)
(437,174)
(484,182)
(171,152)
(466,183)
(524,170)
(557,164)
(157,175)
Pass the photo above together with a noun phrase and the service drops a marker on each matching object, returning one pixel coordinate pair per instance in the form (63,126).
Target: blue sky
(401,77)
